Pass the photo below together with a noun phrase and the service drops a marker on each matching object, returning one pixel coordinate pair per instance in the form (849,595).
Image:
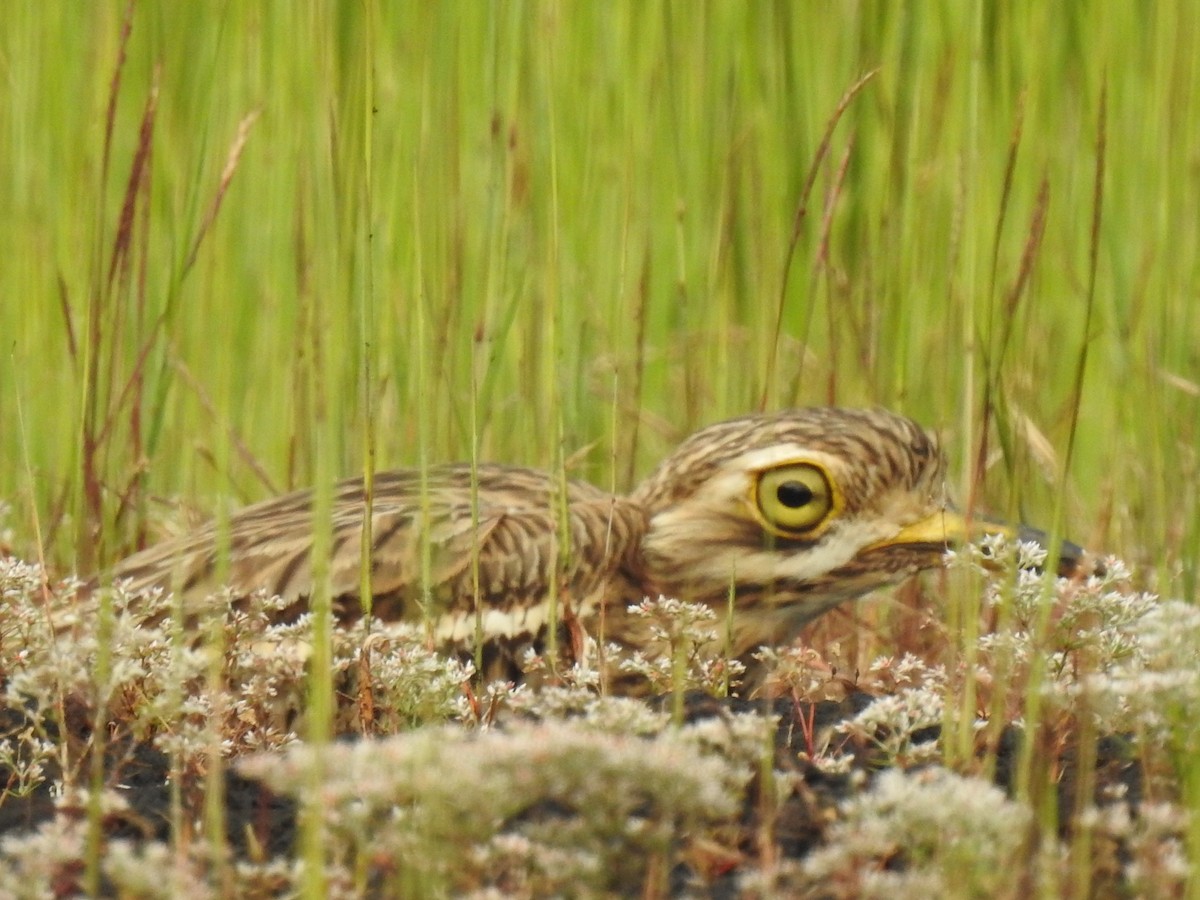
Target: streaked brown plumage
(798,510)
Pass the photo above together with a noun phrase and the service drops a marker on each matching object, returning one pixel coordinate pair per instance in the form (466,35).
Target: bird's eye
(794,498)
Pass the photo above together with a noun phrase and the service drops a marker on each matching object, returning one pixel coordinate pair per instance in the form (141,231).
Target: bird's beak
(948,528)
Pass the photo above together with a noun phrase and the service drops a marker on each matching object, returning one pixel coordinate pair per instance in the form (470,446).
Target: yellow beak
(949,528)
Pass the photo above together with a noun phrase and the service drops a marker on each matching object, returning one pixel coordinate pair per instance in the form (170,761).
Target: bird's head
(797,511)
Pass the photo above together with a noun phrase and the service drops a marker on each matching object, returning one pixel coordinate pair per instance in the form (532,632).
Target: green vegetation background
(311,237)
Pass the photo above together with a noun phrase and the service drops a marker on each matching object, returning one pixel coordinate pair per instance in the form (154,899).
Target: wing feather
(426,543)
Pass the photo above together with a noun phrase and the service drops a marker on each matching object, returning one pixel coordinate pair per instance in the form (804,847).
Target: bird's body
(794,512)
(443,548)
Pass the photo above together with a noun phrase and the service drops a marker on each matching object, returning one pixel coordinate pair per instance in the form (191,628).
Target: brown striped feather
(686,531)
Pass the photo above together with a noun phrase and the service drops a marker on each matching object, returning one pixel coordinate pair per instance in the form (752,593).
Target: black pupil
(794,494)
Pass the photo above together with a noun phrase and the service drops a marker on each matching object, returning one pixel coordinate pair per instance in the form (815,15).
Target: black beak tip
(1073,560)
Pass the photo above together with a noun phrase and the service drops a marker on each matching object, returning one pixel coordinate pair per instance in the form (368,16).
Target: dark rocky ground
(262,824)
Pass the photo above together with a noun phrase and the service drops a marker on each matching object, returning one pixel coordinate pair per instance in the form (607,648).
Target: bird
(771,518)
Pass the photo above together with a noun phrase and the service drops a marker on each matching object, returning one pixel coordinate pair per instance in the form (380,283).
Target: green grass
(525,218)
(368,235)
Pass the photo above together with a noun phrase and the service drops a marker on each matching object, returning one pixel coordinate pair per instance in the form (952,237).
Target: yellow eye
(794,498)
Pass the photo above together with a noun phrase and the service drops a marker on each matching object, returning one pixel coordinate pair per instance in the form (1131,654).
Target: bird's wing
(432,543)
